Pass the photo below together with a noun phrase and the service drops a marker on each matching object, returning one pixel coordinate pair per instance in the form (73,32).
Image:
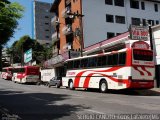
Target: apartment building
(42,22)
(80,24)
(103,19)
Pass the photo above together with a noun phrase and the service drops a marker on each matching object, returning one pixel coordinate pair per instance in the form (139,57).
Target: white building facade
(104,19)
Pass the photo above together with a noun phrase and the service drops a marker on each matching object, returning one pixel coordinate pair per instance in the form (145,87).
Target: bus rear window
(32,71)
(144,55)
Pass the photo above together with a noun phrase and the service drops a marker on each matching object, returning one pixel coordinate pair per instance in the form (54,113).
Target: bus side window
(104,60)
(122,59)
(110,60)
(76,63)
(70,65)
(99,61)
(91,62)
(115,59)
(84,62)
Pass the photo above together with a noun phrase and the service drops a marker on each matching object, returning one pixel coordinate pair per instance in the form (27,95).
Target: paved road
(31,102)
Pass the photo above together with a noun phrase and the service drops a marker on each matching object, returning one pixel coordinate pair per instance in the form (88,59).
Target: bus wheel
(58,86)
(38,83)
(103,86)
(71,85)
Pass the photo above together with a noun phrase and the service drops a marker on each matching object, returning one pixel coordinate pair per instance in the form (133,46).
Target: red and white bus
(26,74)
(128,68)
(7,73)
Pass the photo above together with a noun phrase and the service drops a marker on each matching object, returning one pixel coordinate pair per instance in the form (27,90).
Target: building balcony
(68,2)
(67,30)
(55,21)
(55,51)
(66,11)
(55,37)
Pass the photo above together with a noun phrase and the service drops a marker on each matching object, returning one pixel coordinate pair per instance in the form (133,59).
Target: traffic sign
(28,56)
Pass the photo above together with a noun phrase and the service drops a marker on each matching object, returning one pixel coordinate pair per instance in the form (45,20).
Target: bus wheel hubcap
(71,84)
(103,87)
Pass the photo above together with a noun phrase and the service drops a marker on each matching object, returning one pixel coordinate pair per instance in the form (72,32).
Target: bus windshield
(143,55)
(19,70)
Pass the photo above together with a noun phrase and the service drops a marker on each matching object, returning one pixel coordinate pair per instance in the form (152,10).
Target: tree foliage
(9,15)
(40,53)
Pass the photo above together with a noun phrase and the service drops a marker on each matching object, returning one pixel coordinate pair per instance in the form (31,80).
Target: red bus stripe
(77,78)
(149,73)
(86,82)
(136,68)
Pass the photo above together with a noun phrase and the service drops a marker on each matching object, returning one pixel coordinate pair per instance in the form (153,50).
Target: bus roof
(27,67)
(7,67)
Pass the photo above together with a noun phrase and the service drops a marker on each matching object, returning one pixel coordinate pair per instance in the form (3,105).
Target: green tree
(9,15)
(40,52)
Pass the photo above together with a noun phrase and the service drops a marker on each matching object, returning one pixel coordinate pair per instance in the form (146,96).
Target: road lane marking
(94,111)
(36,98)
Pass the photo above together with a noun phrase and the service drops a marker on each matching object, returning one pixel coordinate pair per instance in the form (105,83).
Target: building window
(46,17)
(46,23)
(118,34)
(157,22)
(46,30)
(47,36)
(120,19)
(109,18)
(151,22)
(119,3)
(109,2)
(110,35)
(136,21)
(144,22)
(156,7)
(134,4)
(142,6)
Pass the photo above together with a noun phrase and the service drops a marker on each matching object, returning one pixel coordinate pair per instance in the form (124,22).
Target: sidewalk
(156,89)
(149,92)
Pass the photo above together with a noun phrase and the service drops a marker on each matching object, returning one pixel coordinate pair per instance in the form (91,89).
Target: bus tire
(103,86)
(70,84)
(38,83)
(58,86)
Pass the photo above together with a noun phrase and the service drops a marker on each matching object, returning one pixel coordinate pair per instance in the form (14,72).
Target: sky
(26,22)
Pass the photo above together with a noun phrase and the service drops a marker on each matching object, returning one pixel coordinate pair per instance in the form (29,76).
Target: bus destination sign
(140,45)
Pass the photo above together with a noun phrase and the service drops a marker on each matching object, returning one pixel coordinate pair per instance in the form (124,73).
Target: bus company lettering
(136,62)
(149,63)
(71,73)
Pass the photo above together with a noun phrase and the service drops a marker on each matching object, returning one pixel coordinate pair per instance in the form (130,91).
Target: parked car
(55,81)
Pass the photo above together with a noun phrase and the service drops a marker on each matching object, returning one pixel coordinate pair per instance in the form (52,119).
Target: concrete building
(103,19)
(42,22)
(156,46)
(6,58)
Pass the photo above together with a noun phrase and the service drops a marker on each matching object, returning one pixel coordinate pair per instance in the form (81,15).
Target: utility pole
(150,36)
(22,56)
(79,31)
